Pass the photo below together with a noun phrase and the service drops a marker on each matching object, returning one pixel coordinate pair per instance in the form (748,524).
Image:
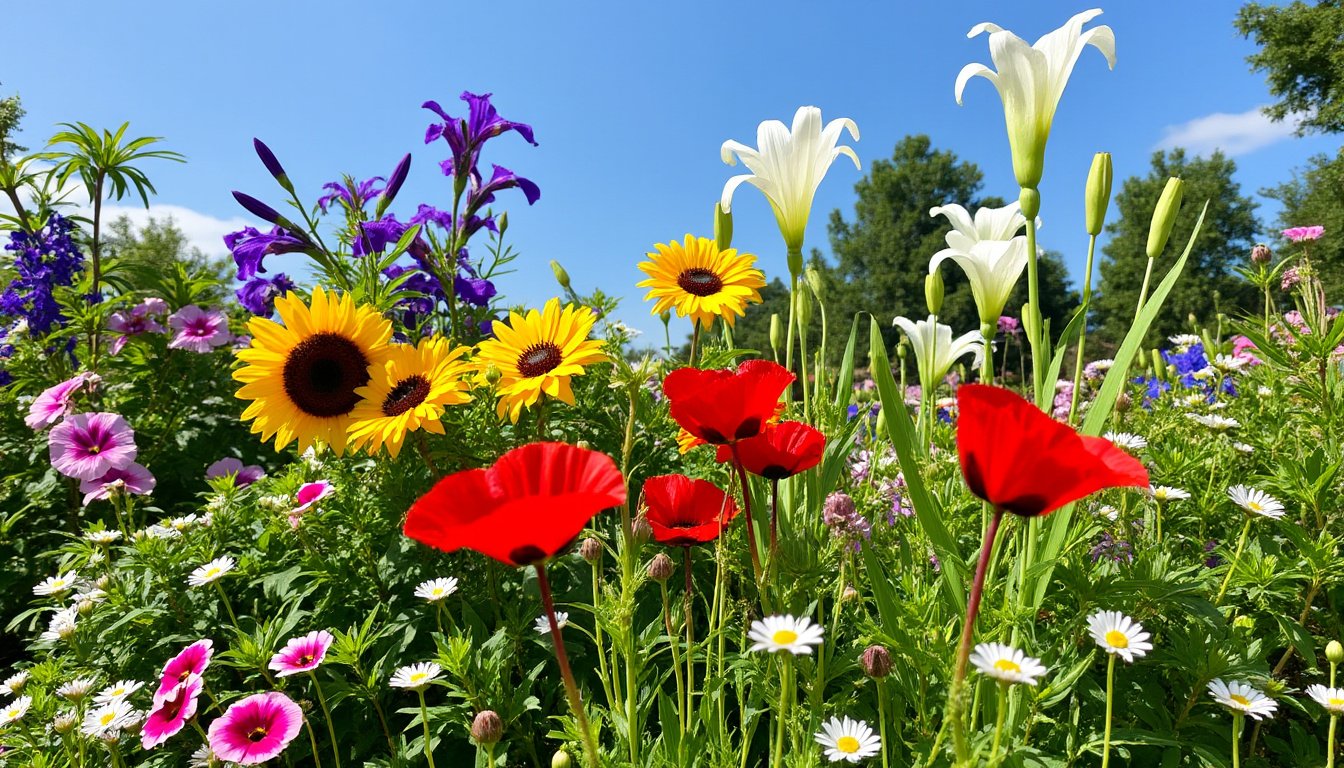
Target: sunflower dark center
(539,359)
(322,373)
(256,735)
(699,281)
(409,392)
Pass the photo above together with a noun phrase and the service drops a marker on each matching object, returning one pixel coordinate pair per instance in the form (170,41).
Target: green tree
(1208,285)
(1302,58)
(11,112)
(1315,195)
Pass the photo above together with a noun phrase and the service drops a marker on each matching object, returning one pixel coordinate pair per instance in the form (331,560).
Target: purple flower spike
(396,180)
(269,160)
(258,208)
(249,246)
(258,295)
(501,179)
(466,136)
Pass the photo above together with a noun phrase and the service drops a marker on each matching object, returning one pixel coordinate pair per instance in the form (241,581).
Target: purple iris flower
(500,179)
(249,246)
(466,136)
(376,235)
(352,194)
(427,214)
(258,295)
(476,291)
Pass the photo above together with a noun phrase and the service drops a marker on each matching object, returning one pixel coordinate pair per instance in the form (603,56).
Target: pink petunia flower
(192,660)
(87,445)
(55,402)
(311,493)
(133,323)
(150,306)
(199,330)
(171,713)
(132,478)
(243,476)
(256,729)
(1299,234)
(302,654)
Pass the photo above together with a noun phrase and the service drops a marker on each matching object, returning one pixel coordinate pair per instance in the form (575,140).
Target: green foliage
(1209,286)
(1315,195)
(1301,57)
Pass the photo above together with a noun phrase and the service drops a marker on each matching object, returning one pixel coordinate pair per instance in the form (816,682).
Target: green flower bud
(561,760)
(1164,217)
(815,282)
(502,223)
(1030,202)
(1098,194)
(666,317)
(561,276)
(1334,652)
(1029,322)
(804,308)
(661,568)
(723,227)
(493,374)
(776,334)
(933,292)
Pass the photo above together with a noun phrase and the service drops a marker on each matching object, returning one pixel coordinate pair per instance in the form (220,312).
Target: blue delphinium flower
(258,295)
(1187,363)
(42,263)
(249,246)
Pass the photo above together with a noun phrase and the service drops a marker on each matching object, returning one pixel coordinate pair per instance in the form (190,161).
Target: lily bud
(661,568)
(1029,201)
(487,728)
(561,760)
(776,334)
(815,282)
(1334,652)
(1159,365)
(804,308)
(1164,217)
(257,208)
(502,223)
(1261,254)
(876,661)
(1098,196)
(561,276)
(795,262)
(723,227)
(1029,321)
(273,166)
(902,348)
(933,291)
(590,549)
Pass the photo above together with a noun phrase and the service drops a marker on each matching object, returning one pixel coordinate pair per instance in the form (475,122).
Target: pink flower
(199,330)
(132,478)
(1241,347)
(256,729)
(302,654)
(88,445)
(171,712)
(1298,234)
(191,660)
(1290,279)
(132,324)
(55,402)
(150,306)
(242,475)
(310,493)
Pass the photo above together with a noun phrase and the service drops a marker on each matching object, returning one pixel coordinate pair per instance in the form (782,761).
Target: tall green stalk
(1241,545)
(1030,201)
(1110,699)
(1082,332)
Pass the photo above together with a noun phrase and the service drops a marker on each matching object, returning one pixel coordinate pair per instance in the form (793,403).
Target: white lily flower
(989,251)
(788,167)
(1030,79)
(935,349)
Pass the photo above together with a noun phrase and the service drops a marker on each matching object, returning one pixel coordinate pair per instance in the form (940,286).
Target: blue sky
(630,103)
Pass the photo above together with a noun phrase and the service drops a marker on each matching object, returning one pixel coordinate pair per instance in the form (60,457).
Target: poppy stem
(571,688)
(690,637)
(774,523)
(955,703)
(673,641)
(746,509)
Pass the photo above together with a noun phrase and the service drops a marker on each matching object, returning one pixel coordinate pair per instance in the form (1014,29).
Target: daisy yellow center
(1255,506)
(256,735)
(1334,703)
(322,373)
(107,718)
(211,572)
(539,359)
(784,637)
(1117,639)
(699,281)
(418,676)
(409,392)
(437,591)
(1007,665)
(847,744)
(1238,698)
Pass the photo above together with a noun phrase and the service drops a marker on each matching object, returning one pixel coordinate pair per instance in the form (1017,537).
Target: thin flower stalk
(424,721)
(331,725)
(562,658)
(1236,557)
(673,642)
(1082,332)
(1110,698)
(956,704)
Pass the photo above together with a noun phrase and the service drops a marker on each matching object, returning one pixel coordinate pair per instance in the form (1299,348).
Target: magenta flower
(132,478)
(243,476)
(311,493)
(86,446)
(190,661)
(199,330)
(256,729)
(302,654)
(1009,325)
(55,402)
(1299,234)
(171,712)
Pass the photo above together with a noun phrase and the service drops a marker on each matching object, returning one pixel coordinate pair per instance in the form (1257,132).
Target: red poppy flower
(1024,462)
(723,406)
(781,451)
(527,507)
(682,511)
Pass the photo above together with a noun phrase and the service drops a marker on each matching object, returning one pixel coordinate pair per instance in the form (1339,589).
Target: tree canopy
(1303,59)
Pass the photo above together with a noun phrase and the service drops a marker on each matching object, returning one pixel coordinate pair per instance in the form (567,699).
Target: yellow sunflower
(538,353)
(301,376)
(408,392)
(698,279)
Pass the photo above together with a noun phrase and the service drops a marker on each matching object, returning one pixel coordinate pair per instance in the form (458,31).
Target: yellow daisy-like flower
(301,376)
(408,392)
(538,353)
(699,280)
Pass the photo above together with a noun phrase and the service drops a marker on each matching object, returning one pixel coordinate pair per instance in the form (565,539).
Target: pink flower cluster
(1301,234)
(308,495)
(175,700)
(243,476)
(141,319)
(199,330)
(99,450)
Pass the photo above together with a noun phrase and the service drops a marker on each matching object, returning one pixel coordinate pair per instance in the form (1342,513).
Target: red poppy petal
(437,518)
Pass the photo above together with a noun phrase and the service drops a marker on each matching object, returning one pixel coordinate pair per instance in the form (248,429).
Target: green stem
(1241,544)
(1236,740)
(1110,699)
(227,606)
(882,717)
(1143,290)
(1330,743)
(1082,333)
(955,699)
(424,721)
(571,688)
(312,740)
(690,637)
(781,717)
(695,342)
(987,331)
(597,634)
(1034,330)
(673,641)
(751,526)
(998,722)
(331,727)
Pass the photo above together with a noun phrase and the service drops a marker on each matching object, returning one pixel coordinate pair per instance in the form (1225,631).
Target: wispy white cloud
(202,230)
(1234,134)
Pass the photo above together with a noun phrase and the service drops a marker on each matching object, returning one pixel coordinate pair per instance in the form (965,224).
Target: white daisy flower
(108,719)
(61,625)
(1330,698)
(1192,401)
(76,689)
(847,740)
(416,676)
(1256,501)
(1109,512)
(181,524)
(1243,699)
(90,595)
(543,624)
(784,633)
(1165,493)
(1006,663)
(16,710)
(1214,421)
(1263,391)
(57,585)
(118,691)
(1244,448)
(1228,363)
(157,531)
(1185,340)
(211,571)
(1127,440)
(14,683)
(65,721)
(1118,634)
(203,757)
(102,537)
(1103,365)
(435,590)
